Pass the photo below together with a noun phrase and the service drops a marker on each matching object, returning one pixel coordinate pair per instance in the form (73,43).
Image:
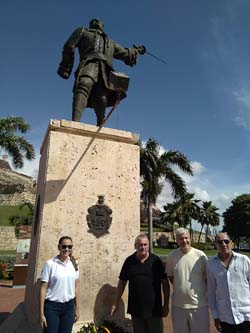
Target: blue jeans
(59,316)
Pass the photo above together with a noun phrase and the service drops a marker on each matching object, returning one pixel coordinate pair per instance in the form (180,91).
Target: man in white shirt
(228,277)
(186,270)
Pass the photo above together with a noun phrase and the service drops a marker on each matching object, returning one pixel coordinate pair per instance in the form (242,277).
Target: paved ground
(11,297)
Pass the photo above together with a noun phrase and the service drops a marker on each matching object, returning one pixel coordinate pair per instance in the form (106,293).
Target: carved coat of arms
(99,218)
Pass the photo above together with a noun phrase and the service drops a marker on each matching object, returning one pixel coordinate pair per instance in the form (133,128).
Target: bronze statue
(96,84)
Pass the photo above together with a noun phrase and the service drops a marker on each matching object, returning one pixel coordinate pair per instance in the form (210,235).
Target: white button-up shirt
(61,277)
(229,289)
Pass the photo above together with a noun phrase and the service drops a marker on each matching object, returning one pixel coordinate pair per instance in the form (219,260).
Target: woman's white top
(61,277)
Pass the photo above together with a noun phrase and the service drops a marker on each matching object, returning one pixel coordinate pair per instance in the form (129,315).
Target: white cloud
(227,56)
(165,196)
(197,168)
(161,148)
(242,98)
(30,168)
(201,194)
(223,200)
(203,185)
(193,183)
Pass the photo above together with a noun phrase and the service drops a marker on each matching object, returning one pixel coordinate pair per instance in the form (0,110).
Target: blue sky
(199,103)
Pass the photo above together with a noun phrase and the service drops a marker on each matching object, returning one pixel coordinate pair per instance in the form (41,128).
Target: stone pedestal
(78,163)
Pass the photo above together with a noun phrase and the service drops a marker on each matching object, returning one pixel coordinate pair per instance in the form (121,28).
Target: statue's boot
(79,104)
(100,116)
(100,113)
(81,94)
(100,108)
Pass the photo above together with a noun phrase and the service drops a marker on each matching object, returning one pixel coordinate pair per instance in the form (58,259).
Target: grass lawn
(145,229)
(7,211)
(6,252)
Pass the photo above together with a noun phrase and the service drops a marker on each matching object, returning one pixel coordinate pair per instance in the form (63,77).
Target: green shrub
(9,259)
(7,211)
(203,246)
(92,328)
(7,263)
(108,327)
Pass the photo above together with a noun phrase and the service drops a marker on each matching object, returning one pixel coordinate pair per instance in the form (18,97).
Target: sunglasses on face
(64,247)
(221,241)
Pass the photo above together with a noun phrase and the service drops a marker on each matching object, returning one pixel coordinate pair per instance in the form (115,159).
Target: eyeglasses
(221,241)
(64,247)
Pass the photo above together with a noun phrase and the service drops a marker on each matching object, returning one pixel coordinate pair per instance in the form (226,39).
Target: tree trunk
(150,227)
(206,232)
(191,230)
(200,233)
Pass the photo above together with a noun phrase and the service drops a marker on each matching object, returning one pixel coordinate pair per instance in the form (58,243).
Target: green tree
(154,169)
(208,216)
(183,211)
(237,218)
(14,144)
(23,218)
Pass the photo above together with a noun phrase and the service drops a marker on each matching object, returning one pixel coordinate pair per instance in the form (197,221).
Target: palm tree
(208,216)
(21,218)
(182,211)
(173,214)
(156,167)
(191,210)
(15,145)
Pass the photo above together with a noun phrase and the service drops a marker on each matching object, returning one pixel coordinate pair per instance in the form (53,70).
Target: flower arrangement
(107,327)
(93,328)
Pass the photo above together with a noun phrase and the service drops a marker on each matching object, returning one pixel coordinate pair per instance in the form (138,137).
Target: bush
(172,245)
(203,246)
(7,263)
(9,259)
(107,327)
(113,327)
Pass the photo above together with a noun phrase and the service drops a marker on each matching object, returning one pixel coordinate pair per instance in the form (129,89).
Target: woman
(59,291)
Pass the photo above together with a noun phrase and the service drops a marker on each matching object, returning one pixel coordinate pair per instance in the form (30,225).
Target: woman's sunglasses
(64,247)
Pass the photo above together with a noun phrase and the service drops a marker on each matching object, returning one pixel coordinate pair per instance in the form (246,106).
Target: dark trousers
(82,93)
(240,328)
(150,325)
(59,316)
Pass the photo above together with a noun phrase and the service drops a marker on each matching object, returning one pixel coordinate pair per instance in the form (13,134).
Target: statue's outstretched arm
(128,55)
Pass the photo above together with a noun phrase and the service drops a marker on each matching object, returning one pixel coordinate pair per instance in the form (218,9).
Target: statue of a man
(92,86)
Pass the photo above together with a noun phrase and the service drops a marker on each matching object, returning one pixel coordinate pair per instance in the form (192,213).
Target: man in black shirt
(146,276)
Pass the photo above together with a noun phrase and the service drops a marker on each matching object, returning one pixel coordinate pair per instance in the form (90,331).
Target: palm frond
(177,158)
(15,145)
(13,124)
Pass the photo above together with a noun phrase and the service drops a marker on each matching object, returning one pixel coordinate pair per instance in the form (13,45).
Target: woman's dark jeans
(59,316)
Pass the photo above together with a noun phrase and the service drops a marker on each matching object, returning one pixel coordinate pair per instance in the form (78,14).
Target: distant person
(186,269)
(228,277)
(59,290)
(145,273)
(93,86)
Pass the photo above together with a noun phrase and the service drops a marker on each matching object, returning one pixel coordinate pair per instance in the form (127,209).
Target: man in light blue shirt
(228,279)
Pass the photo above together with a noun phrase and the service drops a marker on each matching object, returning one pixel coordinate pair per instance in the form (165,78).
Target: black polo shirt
(144,300)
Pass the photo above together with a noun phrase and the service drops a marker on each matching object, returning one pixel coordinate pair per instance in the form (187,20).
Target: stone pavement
(11,297)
